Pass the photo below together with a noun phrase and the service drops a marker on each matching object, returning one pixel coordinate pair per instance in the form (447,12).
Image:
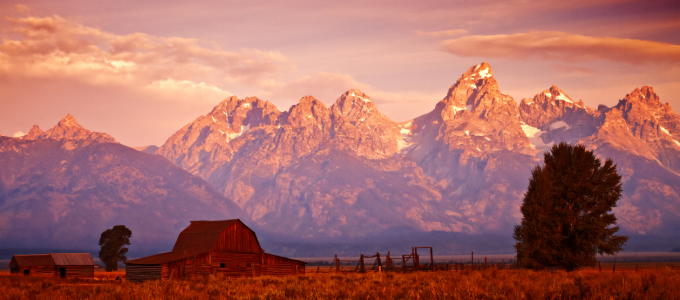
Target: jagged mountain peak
(236,113)
(352,102)
(552,96)
(644,95)
(480,71)
(474,79)
(234,103)
(476,91)
(645,103)
(34,133)
(308,110)
(68,129)
(354,105)
(69,120)
(310,101)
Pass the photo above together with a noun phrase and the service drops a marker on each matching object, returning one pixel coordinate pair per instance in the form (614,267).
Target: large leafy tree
(567,217)
(112,242)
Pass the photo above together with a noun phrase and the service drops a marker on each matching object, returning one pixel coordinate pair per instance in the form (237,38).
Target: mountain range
(346,171)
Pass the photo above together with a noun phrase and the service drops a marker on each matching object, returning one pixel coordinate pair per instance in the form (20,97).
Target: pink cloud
(54,47)
(562,46)
(442,33)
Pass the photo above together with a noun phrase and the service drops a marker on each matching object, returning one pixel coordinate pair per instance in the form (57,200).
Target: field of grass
(662,283)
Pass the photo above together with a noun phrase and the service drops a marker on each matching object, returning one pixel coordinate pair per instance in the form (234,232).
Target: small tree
(566,211)
(112,250)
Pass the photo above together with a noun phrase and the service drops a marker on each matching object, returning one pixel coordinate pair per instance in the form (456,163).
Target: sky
(141,70)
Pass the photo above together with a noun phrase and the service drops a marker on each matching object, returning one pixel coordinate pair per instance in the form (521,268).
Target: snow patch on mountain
(559,124)
(563,98)
(244,129)
(534,134)
(404,140)
(484,73)
(360,97)
(664,130)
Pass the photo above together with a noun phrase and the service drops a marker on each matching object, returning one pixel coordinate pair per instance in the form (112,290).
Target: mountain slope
(64,192)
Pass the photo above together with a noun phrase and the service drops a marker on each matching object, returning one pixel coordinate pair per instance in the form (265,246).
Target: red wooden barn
(64,265)
(227,248)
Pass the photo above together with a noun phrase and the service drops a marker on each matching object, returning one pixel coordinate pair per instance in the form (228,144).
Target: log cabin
(62,265)
(222,248)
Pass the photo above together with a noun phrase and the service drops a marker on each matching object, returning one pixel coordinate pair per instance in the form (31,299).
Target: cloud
(56,48)
(21,8)
(324,86)
(443,33)
(18,134)
(563,47)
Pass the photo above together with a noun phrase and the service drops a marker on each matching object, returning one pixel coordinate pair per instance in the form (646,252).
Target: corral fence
(404,263)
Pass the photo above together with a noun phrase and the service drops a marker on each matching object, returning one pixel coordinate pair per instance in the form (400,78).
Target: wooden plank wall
(78,271)
(140,273)
(236,264)
(43,271)
(237,238)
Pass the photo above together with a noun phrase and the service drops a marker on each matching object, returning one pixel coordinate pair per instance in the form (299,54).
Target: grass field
(651,283)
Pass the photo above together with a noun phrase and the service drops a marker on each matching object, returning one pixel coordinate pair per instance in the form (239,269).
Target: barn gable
(221,236)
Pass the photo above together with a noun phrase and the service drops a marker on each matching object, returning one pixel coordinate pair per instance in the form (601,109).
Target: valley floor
(653,282)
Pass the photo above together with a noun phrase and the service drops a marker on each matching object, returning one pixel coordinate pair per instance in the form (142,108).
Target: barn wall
(41,271)
(237,238)
(78,271)
(141,273)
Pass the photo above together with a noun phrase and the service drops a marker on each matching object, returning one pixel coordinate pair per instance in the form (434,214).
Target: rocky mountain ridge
(321,172)
(348,170)
(68,129)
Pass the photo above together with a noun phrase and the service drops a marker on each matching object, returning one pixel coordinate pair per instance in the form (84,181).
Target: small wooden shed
(63,265)
(225,248)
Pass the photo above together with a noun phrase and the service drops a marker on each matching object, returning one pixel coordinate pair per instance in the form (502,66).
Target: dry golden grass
(488,284)
(103,275)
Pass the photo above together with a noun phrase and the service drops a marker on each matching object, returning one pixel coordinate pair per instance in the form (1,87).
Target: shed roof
(54,259)
(201,236)
(33,260)
(72,259)
(157,259)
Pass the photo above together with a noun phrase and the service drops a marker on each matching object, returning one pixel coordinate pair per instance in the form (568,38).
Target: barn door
(62,272)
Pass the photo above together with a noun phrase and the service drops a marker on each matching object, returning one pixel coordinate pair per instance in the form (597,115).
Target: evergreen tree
(566,210)
(112,250)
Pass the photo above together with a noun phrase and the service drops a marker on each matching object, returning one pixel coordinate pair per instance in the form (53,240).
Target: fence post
(614,268)
(337,264)
(472,260)
(361,260)
(432,259)
(600,264)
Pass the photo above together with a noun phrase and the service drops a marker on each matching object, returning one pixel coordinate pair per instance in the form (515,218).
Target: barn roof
(201,236)
(54,259)
(157,259)
(72,259)
(33,260)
